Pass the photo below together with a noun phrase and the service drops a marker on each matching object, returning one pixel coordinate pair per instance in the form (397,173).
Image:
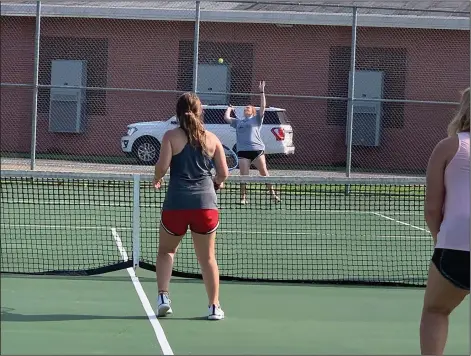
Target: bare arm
(227,115)
(263,101)
(165,157)
(222,171)
(435,190)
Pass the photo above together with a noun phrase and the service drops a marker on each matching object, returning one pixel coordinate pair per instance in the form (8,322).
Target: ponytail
(189,112)
(460,122)
(193,127)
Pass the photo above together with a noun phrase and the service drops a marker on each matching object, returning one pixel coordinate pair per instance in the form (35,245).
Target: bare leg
(244,167)
(441,298)
(206,254)
(261,164)
(168,245)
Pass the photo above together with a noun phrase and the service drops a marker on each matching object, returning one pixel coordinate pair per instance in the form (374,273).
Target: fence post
(34,116)
(196,41)
(351,87)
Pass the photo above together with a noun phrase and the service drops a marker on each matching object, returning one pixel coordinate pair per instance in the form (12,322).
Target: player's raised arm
(227,115)
(263,101)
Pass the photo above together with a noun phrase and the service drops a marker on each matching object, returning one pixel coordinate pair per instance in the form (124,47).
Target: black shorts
(453,265)
(250,155)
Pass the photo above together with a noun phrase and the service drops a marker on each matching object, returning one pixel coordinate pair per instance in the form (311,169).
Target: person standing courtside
(447,212)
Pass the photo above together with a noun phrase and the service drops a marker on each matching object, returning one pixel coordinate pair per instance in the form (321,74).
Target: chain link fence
(108,75)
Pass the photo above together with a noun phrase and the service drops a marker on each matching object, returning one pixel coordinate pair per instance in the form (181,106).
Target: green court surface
(308,244)
(317,232)
(375,233)
(103,315)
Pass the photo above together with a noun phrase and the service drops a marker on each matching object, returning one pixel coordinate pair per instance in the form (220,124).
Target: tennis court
(82,232)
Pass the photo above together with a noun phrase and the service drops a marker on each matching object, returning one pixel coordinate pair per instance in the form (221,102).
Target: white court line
(66,202)
(65,227)
(220,231)
(72,227)
(401,222)
(365,212)
(159,331)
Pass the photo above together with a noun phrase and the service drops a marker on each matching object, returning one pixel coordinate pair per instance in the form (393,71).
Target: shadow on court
(16,317)
(9,315)
(183,280)
(194,318)
(100,278)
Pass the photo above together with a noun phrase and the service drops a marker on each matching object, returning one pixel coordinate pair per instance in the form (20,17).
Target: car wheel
(147,150)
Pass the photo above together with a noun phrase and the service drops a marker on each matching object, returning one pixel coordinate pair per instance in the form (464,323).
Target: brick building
(300,51)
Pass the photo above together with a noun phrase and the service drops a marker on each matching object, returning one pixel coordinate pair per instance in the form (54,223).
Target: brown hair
(460,122)
(189,116)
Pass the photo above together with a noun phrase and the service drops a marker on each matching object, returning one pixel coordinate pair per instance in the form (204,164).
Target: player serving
(250,147)
(190,201)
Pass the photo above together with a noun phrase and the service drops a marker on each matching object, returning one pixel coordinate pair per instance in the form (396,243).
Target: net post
(136,221)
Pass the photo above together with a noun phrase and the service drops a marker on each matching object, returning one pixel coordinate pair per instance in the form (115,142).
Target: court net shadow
(194,318)
(9,316)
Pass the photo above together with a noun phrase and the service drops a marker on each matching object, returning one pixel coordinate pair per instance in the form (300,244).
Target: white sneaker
(163,305)
(215,312)
(275,197)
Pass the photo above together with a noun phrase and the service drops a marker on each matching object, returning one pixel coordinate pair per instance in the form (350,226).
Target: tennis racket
(231,159)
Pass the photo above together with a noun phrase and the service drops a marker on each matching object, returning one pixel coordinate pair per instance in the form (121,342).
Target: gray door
(213,78)
(67,105)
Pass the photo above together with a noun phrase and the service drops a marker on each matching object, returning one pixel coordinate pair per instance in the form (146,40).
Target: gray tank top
(191,185)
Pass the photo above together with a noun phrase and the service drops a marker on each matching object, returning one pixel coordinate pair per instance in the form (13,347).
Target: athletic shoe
(215,312)
(163,305)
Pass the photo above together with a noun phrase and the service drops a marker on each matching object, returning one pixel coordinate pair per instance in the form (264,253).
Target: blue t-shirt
(248,133)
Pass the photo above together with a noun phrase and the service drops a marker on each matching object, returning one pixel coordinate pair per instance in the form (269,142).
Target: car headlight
(131,130)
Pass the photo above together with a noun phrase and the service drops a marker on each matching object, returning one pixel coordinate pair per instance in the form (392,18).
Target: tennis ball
(220,61)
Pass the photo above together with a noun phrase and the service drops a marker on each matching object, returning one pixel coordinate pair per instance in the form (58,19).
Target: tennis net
(326,230)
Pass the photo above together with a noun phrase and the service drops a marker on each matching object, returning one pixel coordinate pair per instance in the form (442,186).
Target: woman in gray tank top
(191,200)
(250,147)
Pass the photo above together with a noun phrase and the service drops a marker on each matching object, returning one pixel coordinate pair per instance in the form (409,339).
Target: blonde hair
(460,122)
(254,110)
(189,116)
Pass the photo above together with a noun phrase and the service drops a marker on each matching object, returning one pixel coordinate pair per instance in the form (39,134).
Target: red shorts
(200,221)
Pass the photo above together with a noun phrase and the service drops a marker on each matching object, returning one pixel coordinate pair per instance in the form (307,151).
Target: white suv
(143,139)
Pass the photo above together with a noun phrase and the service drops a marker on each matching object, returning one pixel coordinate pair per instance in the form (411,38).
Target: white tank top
(454,230)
